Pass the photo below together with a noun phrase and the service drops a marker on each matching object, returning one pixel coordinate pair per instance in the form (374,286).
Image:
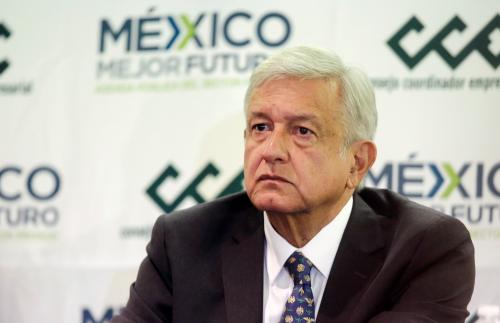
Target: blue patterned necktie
(300,305)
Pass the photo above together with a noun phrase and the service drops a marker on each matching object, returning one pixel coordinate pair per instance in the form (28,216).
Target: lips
(268,177)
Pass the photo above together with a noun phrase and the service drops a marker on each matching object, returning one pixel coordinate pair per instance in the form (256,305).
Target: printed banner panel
(113,113)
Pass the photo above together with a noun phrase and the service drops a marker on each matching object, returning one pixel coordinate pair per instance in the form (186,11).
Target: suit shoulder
(409,214)
(208,220)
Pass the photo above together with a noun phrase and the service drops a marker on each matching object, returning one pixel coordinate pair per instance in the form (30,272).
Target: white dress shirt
(321,251)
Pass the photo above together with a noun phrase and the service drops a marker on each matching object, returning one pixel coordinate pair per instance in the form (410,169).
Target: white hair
(360,113)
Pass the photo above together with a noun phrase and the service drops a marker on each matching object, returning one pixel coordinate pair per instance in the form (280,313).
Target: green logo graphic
(4,33)
(479,43)
(171,173)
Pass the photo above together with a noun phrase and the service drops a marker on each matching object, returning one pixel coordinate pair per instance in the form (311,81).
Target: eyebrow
(258,115)
(301,117)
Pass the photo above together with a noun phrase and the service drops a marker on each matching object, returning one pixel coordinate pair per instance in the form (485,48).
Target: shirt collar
(321,249)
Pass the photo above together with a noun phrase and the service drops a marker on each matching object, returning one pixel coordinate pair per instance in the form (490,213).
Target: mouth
(274,178)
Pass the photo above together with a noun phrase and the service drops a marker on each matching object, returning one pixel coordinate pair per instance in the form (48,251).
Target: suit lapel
(242,270)
(358,258)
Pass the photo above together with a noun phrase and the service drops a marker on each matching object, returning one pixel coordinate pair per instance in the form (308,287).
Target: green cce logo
(191,191)
(4,33)
(479,43)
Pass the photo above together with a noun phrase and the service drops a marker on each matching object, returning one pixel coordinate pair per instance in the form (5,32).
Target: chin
(273,203)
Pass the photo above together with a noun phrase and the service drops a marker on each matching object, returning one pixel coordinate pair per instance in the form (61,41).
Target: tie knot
(299,268)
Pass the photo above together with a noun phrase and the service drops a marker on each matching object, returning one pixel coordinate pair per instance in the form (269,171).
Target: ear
(364,153)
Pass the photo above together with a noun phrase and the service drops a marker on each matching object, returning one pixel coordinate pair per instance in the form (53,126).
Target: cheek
(336,171)
(246,156)
(250,161)
(249,170)
(251,151)
(317,167)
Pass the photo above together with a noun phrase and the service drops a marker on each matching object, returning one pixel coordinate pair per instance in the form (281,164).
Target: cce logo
(191,191)
(4,33)
(479,43)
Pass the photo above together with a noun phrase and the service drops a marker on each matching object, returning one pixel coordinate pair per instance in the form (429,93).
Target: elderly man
(303,244)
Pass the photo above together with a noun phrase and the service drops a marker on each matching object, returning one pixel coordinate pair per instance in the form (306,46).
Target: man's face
(293,144)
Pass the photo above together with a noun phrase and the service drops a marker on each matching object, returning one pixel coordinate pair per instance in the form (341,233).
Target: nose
(276,147)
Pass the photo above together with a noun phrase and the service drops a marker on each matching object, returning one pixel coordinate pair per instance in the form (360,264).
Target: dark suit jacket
(397,262)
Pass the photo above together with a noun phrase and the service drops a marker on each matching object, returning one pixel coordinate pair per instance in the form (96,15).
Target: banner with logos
(115,112)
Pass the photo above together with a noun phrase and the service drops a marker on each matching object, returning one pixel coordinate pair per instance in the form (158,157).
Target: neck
(300,228)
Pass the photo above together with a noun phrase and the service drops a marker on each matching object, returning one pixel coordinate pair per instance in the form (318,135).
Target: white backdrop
(113,112)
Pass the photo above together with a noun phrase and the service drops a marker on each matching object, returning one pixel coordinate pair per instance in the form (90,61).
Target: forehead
(296,96)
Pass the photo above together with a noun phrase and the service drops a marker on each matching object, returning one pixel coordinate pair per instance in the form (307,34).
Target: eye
(260,127)
(304,131)
(304,135)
